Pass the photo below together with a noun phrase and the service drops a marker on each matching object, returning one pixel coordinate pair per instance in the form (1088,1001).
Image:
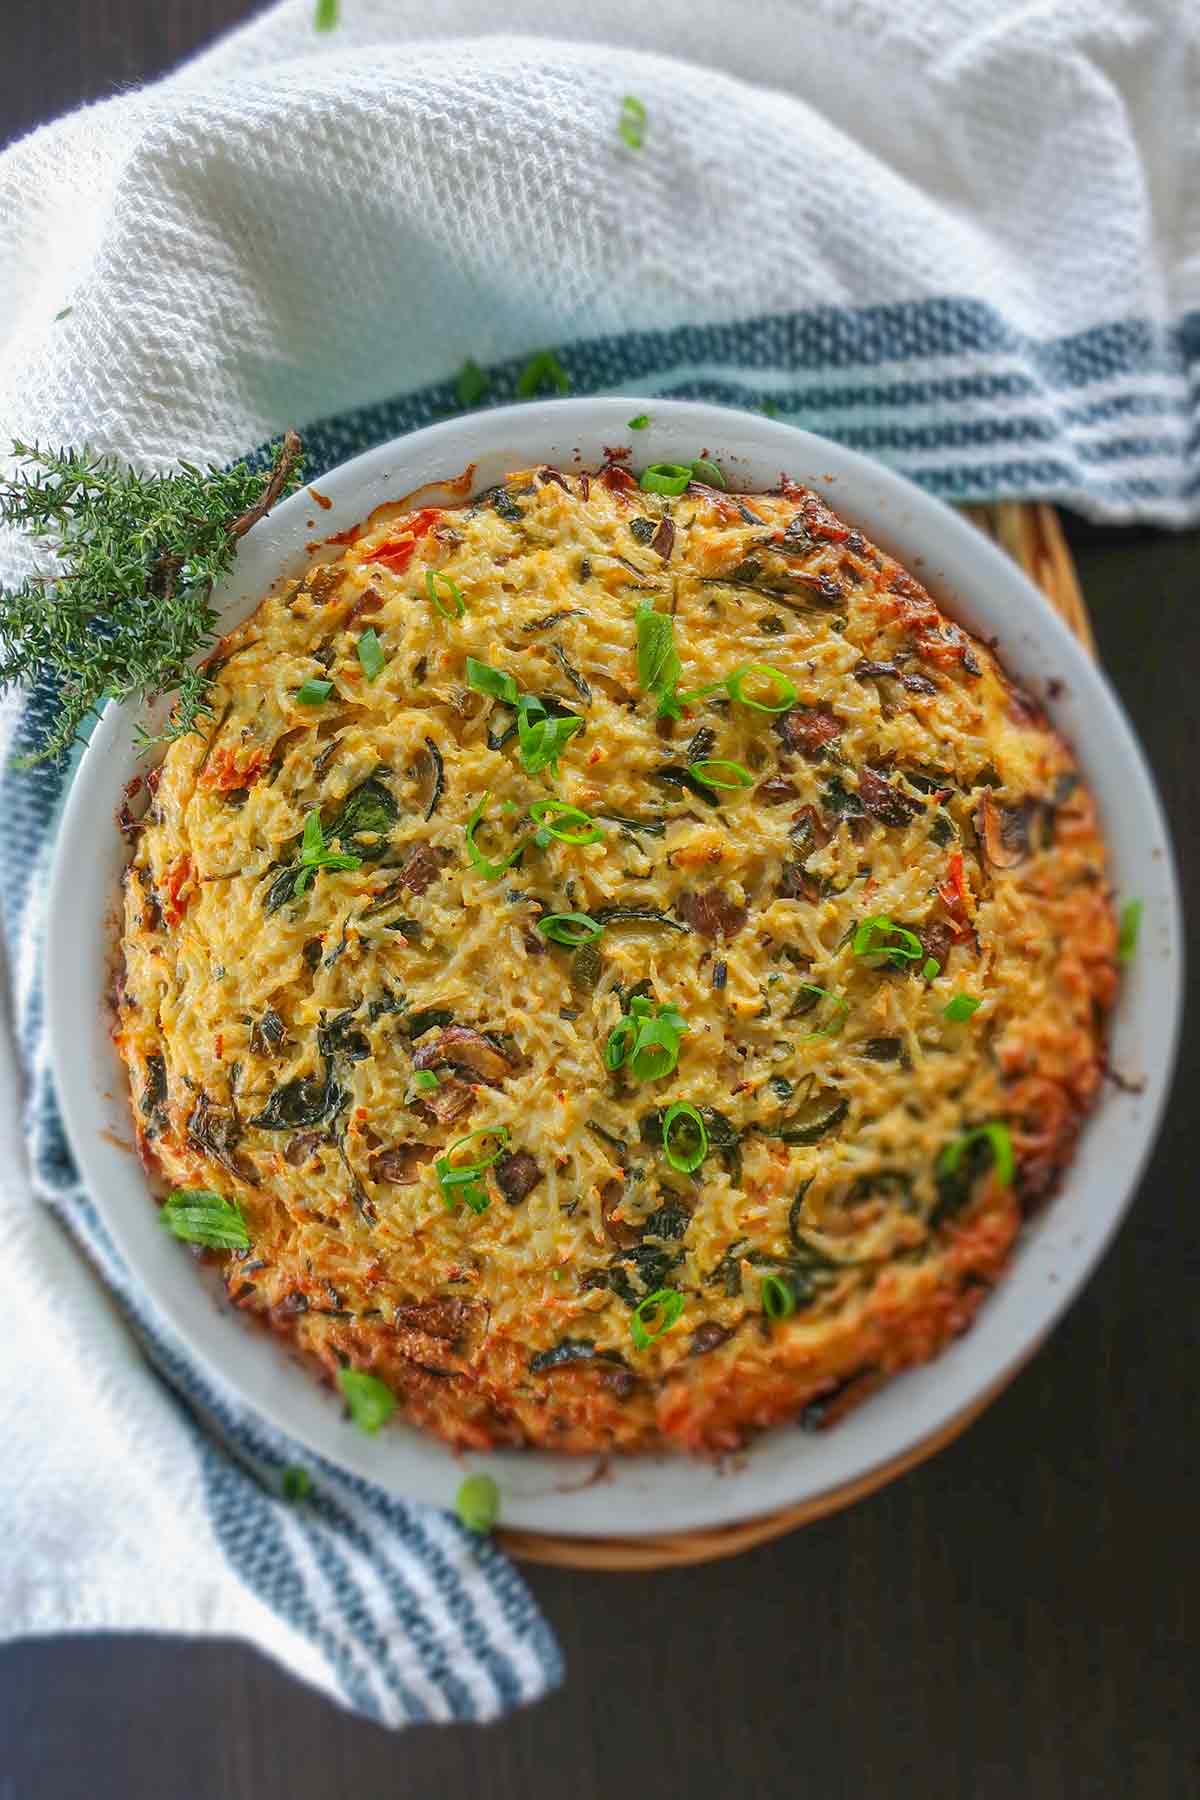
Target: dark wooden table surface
(1016,1618)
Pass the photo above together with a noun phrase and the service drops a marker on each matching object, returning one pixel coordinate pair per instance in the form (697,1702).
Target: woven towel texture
(965,238)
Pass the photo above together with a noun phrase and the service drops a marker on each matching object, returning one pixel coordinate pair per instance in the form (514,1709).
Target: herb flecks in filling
(575,1013)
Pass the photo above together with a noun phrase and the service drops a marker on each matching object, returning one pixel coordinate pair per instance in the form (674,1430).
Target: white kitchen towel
(965,237)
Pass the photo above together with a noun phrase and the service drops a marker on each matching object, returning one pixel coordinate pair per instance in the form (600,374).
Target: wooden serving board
(1032,535)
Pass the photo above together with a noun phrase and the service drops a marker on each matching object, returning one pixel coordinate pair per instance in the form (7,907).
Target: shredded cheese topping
(281,1012)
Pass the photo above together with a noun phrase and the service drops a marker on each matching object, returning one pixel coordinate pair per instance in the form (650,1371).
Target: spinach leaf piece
(310,1100)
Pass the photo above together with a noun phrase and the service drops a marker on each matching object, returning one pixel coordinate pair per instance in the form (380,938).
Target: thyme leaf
(125,605)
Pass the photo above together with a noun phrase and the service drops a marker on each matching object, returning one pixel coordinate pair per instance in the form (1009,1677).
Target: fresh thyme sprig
(127,604)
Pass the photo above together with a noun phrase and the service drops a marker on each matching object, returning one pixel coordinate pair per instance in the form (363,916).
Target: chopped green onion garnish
(659,1310)
(424,1080)
(457,605)
(472,384)
(647,1038)
(658,665)
(931,968)
(199,1216)
(491,871)
(665,478)
(478,1503)
(296,1483)
(621,1040)
(370,654)
(1131,925)
(370,1400)
(656,1051)
(326,15)
(640,423)
(709,473)
(313,692)
(879,940)
(769,409)
(541,372)
(569,928)
(314,855)
(540,735)
(778,1297)
(959,1008)
(542,811)
(456,1173)
(542,738)
(691,1139)
(632,123)
(715,772)
(312,843)
(493,682)
(460,1181)
(736,684)
(837,1016)
(1003,1162)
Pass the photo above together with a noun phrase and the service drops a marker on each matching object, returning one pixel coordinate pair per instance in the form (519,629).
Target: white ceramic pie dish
(540,1492)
